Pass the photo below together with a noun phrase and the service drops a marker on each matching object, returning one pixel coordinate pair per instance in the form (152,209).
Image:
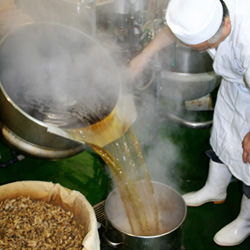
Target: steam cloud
(58,69)
(53,70)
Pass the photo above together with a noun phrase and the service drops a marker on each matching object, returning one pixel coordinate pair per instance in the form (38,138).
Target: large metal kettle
(54,78)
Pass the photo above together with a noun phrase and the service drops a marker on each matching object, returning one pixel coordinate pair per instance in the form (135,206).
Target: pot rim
(208,74)
(13,103)
(19,109)
(150,236)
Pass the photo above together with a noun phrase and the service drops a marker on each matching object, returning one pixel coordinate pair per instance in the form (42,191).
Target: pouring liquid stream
(125,160)
(133,182)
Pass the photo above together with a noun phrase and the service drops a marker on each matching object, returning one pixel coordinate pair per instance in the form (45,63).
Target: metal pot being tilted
(53,76)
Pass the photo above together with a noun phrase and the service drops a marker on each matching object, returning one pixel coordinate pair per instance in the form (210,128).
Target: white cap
(194,21)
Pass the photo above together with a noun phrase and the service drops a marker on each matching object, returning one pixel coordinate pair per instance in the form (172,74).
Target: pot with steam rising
(172,213)
(53,76)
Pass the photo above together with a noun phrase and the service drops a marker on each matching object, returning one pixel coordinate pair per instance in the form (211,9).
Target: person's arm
(162,40)
(246,139)
(246,148)
(11,17)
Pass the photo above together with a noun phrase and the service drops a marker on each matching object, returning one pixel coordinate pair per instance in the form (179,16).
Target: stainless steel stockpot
(53,76)
(172,210)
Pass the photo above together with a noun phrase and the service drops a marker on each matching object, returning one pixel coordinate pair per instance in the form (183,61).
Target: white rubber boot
(215,189)
(238,230)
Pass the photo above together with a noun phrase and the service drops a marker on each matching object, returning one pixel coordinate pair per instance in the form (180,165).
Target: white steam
(52,76)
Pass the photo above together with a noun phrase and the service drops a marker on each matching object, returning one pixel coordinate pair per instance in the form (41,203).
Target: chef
(223,29)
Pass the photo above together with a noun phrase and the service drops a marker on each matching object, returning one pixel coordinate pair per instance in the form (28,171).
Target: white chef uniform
(232,109)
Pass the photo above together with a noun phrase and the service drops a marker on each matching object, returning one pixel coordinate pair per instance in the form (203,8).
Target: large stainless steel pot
(53,76)
(186,74)
(172,212)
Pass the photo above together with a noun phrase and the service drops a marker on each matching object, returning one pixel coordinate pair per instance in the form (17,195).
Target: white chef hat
(194,21)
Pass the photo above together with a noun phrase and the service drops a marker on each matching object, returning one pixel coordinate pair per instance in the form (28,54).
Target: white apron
(232,110)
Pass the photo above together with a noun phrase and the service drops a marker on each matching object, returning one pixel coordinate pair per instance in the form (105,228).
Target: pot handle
(109,242)
(147,84)
(189,124)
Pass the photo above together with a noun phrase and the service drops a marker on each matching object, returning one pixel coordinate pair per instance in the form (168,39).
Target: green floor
(86,173)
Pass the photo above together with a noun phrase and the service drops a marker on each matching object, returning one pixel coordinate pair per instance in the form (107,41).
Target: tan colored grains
(34,224)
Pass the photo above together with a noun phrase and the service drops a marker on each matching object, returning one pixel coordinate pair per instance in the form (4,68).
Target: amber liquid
(129,172)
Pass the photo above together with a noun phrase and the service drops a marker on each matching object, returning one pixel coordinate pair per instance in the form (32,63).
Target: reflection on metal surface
(187,123)
(37,150)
